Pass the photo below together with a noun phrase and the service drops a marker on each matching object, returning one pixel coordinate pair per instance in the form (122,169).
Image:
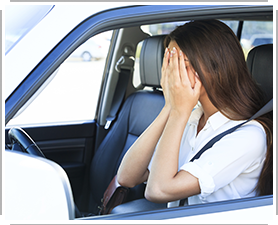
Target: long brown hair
(216,55)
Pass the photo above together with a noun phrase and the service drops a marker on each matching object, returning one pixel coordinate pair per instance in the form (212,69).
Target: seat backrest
(136,114)
(260,65)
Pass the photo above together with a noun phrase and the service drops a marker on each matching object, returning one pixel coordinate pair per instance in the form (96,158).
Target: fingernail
(180,53)
(174,50)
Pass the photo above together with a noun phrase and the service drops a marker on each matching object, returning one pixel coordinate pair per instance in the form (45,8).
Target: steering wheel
(21,141)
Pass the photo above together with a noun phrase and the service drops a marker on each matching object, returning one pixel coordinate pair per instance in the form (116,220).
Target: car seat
(136,114)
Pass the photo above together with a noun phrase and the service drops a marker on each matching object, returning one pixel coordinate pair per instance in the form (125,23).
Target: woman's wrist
(166,109)
(180,115)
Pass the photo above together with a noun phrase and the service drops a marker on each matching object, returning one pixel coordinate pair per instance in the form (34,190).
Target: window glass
(72,93)
(166,28)
(256,33)
(163,28)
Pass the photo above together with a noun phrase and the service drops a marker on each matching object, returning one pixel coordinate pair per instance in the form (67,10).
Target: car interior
(141,108)
(123,113)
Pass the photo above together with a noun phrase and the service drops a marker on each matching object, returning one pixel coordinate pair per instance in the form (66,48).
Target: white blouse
(231,168)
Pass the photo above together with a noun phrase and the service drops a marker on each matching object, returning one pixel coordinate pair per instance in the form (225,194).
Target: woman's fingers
(165,77)
(183,72)
(173,68)
(165,59)
(164,67)
(165,62)
(176,83)
(174,62)
(195,84)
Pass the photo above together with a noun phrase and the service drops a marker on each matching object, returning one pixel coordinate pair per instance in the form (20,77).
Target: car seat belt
(125,67)
(265,109)
(268,107)
(118,97)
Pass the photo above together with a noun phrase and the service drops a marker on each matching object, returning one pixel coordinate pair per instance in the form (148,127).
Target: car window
(256,33)
(166,28)
(72,93)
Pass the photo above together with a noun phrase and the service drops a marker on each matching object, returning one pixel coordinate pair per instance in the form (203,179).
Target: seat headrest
(260,65)
(151,58)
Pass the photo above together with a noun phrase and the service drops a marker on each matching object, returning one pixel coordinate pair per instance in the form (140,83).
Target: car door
(58,112)
(60,116)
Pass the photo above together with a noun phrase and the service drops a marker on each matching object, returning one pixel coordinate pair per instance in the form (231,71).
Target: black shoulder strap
(118,97)
(267,108)
(125,68)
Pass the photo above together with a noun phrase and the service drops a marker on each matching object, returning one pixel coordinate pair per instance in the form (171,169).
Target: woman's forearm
(166,158)
(182,89)
(134,166)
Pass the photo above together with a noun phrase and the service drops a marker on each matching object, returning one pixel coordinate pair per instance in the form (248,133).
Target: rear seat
(260,65)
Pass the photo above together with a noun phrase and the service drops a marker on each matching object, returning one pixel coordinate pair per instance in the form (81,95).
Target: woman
(203,63)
